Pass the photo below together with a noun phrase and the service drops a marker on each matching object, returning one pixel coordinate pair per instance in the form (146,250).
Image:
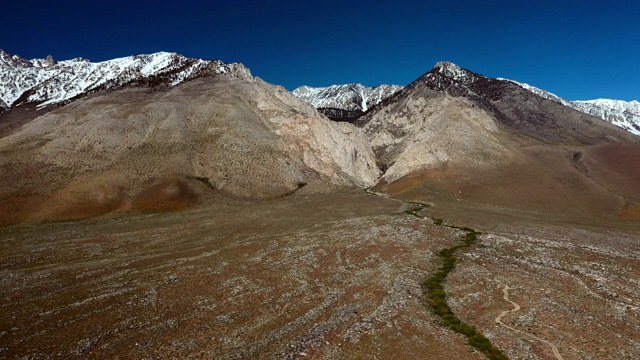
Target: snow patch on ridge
(49,82)
(346,97)
(451,70)
(624,114)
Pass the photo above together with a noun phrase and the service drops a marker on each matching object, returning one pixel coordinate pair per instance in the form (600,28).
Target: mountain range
(163,132)
(46,81)
(349,101)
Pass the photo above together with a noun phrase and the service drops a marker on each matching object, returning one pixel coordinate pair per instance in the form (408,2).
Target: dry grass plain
(324,276)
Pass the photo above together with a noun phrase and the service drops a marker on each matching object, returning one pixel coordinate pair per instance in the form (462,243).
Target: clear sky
(576,49)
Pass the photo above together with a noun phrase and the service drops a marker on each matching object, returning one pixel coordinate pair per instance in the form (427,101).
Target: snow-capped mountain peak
(619,105)
(450,70)
(45,81)
(450,78)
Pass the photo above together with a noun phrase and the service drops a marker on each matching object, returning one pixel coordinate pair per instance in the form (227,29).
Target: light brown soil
(516,308)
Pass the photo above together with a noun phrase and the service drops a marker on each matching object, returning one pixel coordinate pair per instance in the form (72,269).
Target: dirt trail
(516,307)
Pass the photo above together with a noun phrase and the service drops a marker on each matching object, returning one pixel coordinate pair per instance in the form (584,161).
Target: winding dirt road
(516,307)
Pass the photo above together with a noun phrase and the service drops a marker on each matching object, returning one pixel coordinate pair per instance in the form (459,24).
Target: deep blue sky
(577,49)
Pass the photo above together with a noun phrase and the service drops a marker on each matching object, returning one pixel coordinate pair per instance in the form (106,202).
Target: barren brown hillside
(320,276)
(137,149)
(549,181)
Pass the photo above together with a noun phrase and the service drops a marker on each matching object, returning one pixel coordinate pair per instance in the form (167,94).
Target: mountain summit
(512,105)
(454,134)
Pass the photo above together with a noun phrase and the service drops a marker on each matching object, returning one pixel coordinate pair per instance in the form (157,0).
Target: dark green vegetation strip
(436,296)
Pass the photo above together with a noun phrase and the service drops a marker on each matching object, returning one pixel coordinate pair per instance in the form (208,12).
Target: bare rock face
(137,149)
(337,150)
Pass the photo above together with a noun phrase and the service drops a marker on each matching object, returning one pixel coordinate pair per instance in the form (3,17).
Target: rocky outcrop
(337,150)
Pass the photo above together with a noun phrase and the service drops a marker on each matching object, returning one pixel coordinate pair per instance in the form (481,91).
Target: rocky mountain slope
(501,101)
(517,108)
(137,149)
(625,114)
(46,81)
(345,102)
(455,134)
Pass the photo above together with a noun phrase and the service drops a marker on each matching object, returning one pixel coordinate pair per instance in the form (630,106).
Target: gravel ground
(324,276)
(290,278)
